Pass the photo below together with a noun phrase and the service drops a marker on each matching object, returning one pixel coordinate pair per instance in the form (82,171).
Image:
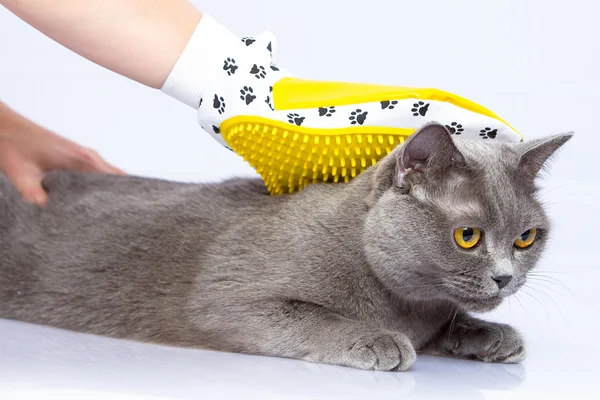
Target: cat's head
(457,219)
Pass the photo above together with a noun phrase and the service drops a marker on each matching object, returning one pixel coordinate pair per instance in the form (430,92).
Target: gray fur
(363,274)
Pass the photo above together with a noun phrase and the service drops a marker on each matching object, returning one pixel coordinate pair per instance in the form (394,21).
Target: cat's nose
(502,280)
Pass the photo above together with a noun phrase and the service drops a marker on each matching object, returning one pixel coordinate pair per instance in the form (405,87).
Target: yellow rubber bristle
(288,157)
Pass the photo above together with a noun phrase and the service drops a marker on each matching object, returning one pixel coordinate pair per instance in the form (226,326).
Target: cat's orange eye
(467,237)
(526,238)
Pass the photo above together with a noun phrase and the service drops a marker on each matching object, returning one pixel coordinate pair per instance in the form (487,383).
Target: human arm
(140,39)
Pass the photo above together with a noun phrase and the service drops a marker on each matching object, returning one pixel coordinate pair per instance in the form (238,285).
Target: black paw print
(488,133)
(219,104)
(420,108)
(229,66)
(258,71)
(270,103)
(295,119)
(248,40)
(326,111)
(455,128)
(247,94)
(388,104)
(274,67)
(216,129)
(358,117)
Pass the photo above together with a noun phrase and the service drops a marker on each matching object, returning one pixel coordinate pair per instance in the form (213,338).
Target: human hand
(28,152)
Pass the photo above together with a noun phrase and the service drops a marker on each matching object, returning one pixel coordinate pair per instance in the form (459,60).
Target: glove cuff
(200,61)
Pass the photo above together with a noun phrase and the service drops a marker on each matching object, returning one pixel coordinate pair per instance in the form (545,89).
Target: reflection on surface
(55,360)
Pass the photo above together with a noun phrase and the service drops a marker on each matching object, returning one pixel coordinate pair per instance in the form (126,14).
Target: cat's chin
(479,305)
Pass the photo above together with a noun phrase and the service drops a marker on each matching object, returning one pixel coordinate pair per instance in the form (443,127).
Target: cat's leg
(469,337)
(310,332)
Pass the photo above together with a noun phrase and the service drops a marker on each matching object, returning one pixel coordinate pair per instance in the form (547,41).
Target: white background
(533,62)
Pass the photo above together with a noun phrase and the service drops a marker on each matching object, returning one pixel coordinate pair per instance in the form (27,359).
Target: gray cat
(363,274)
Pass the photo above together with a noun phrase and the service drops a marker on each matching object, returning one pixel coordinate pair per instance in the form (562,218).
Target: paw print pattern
(258,71)
(358,116)
(219,104)
(388,104)
(274,67)
(216,129)
(488,133)
(420,108)
(270,103)
(248,40)
(295,119)
(326,111)
(455,128)
(247,94)
(229,66)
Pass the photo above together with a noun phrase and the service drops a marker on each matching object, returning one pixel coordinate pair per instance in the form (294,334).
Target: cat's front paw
(506,345)
(496,343)
(383,352)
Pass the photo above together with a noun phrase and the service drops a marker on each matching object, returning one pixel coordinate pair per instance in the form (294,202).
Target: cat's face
(459,220)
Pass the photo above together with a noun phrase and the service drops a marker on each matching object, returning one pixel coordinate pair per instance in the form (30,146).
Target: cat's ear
(534,154)
(427,155)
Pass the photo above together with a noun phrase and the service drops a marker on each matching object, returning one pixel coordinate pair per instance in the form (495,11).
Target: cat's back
(95,219)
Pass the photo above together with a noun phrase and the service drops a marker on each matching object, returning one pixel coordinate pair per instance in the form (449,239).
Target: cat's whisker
(538,300)
(451,329)
(555,282)
(553,289)
(551,299)
(519,301)
(544,191)
(539,271)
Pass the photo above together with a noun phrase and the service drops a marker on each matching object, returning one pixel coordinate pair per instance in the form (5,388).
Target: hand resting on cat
(364,274)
